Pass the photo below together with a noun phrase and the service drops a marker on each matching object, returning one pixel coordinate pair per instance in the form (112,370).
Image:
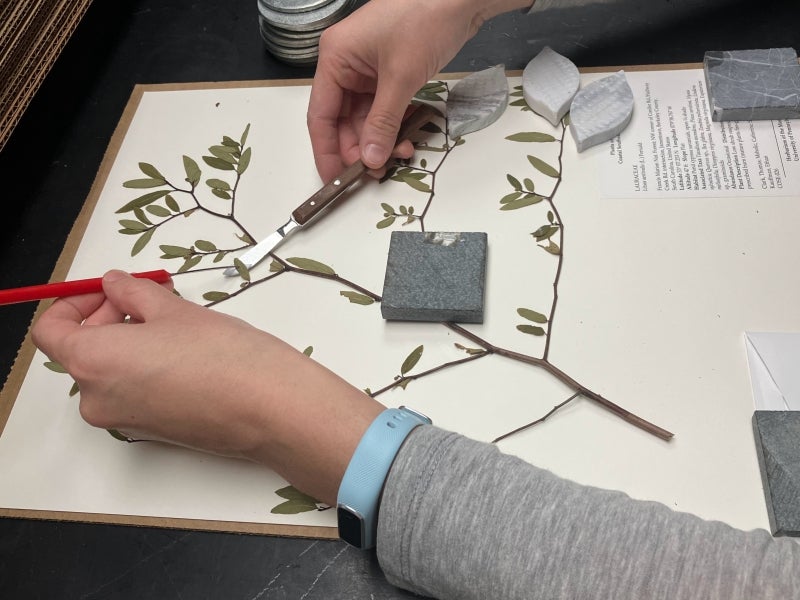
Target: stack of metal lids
(291,28)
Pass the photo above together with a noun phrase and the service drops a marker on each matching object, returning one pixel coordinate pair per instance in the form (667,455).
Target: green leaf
(54,366)
(192,170)
(227,141)
(131,224)
(151,171)
(566,120)
(531,315)
(172,204)
(527,200)
(530,136)
(118,436)
(220,255)
(528,183)
(388,221)
(189,263)
(142,241)
(357,298)
(311,265)
(387,208)
(308,350)
(241,269)
(216,296)
(545,232)
(510,197)
(142,201)
(221,194)
(205,246)
(244,161)
(423,163)
(175,251)
(550,216)
(521,102)
(218,163)
(530,329)
(514,182)
(218,184)
(552,248)
(159,211)
(275,267)
(411,360)
(403,210)
(143,183)
(245,133)
(139,214)
(293,507)
(418,185)
(223,153)
(74,389)
(542,166)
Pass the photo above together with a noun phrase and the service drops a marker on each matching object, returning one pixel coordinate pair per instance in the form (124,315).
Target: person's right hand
(370,66)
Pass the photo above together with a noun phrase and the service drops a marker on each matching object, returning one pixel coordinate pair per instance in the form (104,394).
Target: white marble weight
(601,110)
(549,83)
(477,101)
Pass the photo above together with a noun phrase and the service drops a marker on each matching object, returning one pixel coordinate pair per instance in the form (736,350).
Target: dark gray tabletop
(49,164)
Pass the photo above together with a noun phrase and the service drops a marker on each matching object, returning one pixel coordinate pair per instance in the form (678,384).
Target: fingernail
(115,275)
(375,156)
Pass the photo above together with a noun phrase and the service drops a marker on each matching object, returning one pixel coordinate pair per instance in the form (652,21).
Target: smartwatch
(362,484)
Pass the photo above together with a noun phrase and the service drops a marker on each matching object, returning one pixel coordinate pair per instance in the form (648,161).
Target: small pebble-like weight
(601,110)
(549,83)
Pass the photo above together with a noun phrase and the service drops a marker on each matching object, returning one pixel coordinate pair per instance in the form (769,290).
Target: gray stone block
(435,276)
(750,85)
(777,437)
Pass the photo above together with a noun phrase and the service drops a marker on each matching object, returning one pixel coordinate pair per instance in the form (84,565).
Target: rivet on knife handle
(329,192)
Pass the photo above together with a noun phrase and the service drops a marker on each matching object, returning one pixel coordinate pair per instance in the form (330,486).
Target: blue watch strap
(362,484)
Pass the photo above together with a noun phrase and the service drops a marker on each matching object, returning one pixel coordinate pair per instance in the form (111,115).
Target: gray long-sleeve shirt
(459,519)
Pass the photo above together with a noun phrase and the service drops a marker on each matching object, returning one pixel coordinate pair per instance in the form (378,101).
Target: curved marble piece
(549,83)
(601,110)
(477,101)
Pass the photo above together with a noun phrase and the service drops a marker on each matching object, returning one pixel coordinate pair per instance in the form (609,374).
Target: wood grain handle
(330,191)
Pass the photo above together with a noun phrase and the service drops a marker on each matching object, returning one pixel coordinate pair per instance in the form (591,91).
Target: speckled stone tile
(601,110)
(750,85)
(549,83)
(777,437)
(477,101)
(435,276)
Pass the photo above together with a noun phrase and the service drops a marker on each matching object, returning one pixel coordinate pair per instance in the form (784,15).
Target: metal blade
(257,253)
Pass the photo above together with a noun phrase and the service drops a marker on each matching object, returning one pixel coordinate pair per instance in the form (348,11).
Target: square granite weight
(435,276)
(777,437)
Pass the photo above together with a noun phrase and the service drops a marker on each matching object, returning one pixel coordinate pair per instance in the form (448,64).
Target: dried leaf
(220,255)
(308,350)
(531,315)
(159,211)
(142,241)
(205,246)
(528,183)
(139,214)
(244,161)
(418,185)
(309,264)
(526,200)
(192,170)
(216,296)
(531,329)
(55,367)
(530,136)
(143,183)
(241,269)
(545,232)
(388,221)
(151,171)
(552,248)
(245,133)
(221,194)
(542,166)
(175,251)
(411,360)
(387,208)
(550,216)
(172,204)
(142,201)
(134,225)
(510,197)
(189,263)
(218,163)
(514,182)
(275,267)
(218,184)
(118,436)
(357,298)
(74,389)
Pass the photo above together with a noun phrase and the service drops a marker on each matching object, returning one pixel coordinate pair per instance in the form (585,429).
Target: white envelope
(774,361)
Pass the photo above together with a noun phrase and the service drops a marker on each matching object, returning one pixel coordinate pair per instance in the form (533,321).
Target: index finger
(322,120)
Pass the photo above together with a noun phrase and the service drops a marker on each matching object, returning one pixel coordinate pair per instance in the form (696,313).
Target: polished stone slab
(601,110)
(435,276)
(750,85)
(777,438)
(549,83)
(477,101)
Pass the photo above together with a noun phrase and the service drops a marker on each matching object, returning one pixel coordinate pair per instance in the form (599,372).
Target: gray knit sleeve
(459,519)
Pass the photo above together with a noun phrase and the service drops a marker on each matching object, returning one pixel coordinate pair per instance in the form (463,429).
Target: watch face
(350,527)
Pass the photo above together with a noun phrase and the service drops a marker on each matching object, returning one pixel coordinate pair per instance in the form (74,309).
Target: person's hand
(370,66)
(188,375)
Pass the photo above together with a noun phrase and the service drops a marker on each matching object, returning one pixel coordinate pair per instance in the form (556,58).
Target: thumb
(379,134)
(142,299)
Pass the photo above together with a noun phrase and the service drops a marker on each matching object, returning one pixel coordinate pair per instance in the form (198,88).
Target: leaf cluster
(533,316)
(390,214)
